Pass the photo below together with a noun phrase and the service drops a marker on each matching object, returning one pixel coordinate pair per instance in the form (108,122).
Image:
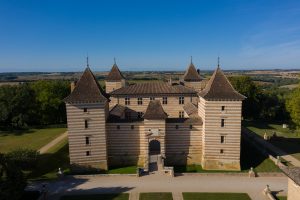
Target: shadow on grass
(49,163)
(288,145)
(107,193)
(258,124)
(17,132)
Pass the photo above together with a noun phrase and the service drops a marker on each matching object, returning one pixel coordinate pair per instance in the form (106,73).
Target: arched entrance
(154,147)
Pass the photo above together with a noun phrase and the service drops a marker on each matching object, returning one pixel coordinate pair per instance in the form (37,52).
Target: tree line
(33,104)
(273,104)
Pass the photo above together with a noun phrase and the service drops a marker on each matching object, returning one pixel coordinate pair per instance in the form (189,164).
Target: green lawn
(288,140)
(48,163)
(215,196)
(122,196)
(122,170)
(250,157)
(156,196)
(282,198)
(32,138)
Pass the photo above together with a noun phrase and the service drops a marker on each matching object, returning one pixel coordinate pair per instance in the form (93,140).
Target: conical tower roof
(155,111)
(87,90)
(191,74)
(115,74)
(219,88)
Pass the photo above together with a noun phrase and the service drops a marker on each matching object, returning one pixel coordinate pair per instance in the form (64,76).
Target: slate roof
(87,90)
(118,110)
(293,173)
(153,88)
(155,111)
(191,74)
(115,74)
(219,88)
(190,109)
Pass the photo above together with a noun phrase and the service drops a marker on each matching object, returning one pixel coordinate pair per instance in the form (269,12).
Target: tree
(245,86)
(293,106)
(12,179)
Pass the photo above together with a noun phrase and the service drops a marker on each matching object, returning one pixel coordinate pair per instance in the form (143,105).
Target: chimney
(73,85)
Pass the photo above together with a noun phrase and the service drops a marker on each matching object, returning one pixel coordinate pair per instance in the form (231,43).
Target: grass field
(215,196)
(287,140)
(156,196)
(122,196)
(250,157)
(32,138)
(48,163)
(122,170)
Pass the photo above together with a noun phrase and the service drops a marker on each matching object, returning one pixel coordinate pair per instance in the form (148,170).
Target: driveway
(164,183)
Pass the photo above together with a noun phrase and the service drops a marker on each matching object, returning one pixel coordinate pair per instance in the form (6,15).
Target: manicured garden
(288,140)
(121,196)
(31,138)
(122,170)
(156,195)
(215,196)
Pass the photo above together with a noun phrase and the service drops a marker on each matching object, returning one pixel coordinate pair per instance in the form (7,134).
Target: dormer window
(140,101)
(152,98)
(127,101)
(181,100)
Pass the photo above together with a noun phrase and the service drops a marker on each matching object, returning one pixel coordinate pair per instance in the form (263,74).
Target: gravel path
(45,148)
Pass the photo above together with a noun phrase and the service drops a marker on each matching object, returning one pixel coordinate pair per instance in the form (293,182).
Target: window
(132,127)
(176,126)
(140,101)
(221,151)
(152,98)
(85,110)
(88,153)
(223,108)
(140,114)
(86,124)
(181,100)
(222,122)
(222,139)
(127,101)
(165,100)
(118,127)
(191,126)
(181,114)
(87,140)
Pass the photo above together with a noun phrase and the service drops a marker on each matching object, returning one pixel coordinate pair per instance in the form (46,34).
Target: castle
(193,121)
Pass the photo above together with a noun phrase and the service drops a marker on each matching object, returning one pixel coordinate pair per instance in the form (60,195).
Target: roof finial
(218,62)
(191,59)
(87,61)
(115,61)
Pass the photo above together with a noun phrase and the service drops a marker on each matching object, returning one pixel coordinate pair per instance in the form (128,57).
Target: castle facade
(193,121)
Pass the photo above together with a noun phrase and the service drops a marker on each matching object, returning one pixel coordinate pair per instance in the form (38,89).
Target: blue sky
(57,35)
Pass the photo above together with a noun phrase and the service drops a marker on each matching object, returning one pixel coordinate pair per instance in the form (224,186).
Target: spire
(114,74)
(87,61)
(191,73)
(191,59)
(115,63)
(218,62)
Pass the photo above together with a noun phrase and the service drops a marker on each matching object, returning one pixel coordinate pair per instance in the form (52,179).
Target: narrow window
(88,153)
(221,151)
(118,127)
(176,126)
(85,110)
(87,140)
(140,114)
(181,100)
(86,124)
(191,126)
(223,108)
(127,101)
(140,101)
(152,98)
(132,127)
(191,100)
(165,100)
(222,138)
(181,114)
(222,122)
